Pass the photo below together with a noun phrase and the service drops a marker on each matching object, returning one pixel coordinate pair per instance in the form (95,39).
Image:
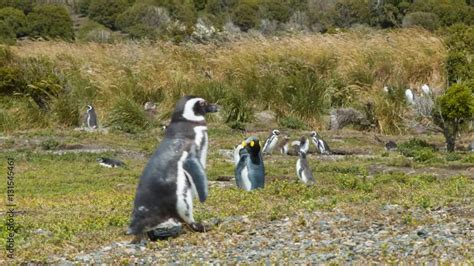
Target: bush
(143,21)
(414,147)
(426,20)
(349,12)
(16,19)
(95,32)
(278,10)
(245,16)
(24,5)
(292,122)
(106,11)
(386,16)
(458,67)
(7,34)
(127,116)
(50,21)
(460,38)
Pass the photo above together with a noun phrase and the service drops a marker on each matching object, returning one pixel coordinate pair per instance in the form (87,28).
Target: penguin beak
(244,143)
(212,108)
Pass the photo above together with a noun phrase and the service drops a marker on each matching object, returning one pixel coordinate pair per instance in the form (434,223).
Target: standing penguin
(271,142)
(320,144)
(303,171)
(91,118)
(304,144)
(175,173)
(250,171)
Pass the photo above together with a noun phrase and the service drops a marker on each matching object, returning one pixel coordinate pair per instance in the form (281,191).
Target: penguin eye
(202,103)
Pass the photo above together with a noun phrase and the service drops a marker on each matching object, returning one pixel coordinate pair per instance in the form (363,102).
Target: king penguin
(91,118)
(250,171)
(271,142)
(320,144)
(303,171)
(175,173)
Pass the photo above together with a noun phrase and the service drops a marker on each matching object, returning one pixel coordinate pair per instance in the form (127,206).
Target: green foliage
(292,122)
(49,144)
(237,110)
(349,12)
(415,148)
(278,10)
(94,32)
(386,16)
(7,34)
(429,21)
(106,11)
(460,37)
(459,67)
(127,116)
(24,5)
(143,21)
(14,18)
(7,122)
(450,157)
(245,15)
(50,21)
(454,108)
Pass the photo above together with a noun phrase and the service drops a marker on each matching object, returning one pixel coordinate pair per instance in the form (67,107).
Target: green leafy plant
(50,21)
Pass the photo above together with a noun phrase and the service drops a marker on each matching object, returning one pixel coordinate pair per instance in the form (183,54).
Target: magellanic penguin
(321,145)
(303,171)
(250,171)
(110,163)
(304,144)
(175,173)
(271,142)
(91,118)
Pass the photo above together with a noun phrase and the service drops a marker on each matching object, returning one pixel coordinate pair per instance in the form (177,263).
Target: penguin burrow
(175,173)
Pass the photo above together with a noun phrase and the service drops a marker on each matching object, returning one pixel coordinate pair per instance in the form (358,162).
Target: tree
(106,11)
(50,21)
(14,18)
(453,109)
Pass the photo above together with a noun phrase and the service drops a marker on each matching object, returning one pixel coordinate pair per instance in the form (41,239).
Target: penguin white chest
(298,169)
(247,185)
(321,146)
(184,191)
(201,141)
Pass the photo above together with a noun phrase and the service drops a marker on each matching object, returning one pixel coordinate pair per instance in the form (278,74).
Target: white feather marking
(188,112)
(201,138)
(245,179)
(184,203)
(305,147)
(106,165)
(285,149)
(322,149)
(298,167)
(237,154)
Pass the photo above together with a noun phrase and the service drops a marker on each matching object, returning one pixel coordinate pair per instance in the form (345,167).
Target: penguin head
(303,140)
(252,145)
(192,108)
(313,134)
(89,108)
(150,106)
(276,132)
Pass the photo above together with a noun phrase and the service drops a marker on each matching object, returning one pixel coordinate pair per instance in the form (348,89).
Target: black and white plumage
(304,144)
(91,118)
(175,173)
(409,96)
(250,171)
(271,142)
(321,146)
(426,89)
(303,171)
(110,163)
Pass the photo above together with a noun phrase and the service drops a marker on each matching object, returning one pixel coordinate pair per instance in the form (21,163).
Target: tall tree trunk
(450,132)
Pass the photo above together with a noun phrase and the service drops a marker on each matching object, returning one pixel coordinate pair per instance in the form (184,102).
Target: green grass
(85,206)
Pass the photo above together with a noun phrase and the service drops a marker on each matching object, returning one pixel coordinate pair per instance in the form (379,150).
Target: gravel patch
(390,234)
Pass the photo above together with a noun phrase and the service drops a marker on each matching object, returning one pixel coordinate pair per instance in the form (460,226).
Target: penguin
(283,146)
(304,144)
(175,173)
(271,142)
(91,118)
(110,163)
(294,148)
(303,171)
(320,144)
(237,153)
(250,171)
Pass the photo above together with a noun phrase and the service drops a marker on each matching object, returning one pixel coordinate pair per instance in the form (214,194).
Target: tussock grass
(302,76)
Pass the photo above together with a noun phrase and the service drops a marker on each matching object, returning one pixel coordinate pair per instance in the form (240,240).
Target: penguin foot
(198,227)
(164,233)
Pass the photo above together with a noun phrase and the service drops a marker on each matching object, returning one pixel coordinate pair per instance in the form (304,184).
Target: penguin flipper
(194,168)
(238,169)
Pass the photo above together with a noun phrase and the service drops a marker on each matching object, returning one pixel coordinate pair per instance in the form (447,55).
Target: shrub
(49,144)
(7,34)
(292,122)
(458,67)
(460,38)
(386,16)
(349,12)
(94,32)
(278,10)
(127,116)
(414,147)
(143,21)
(454,108)
(106,11)
(50,21)
(245,16)
(16,19)
(426,20)
(423,154)
(24,5)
